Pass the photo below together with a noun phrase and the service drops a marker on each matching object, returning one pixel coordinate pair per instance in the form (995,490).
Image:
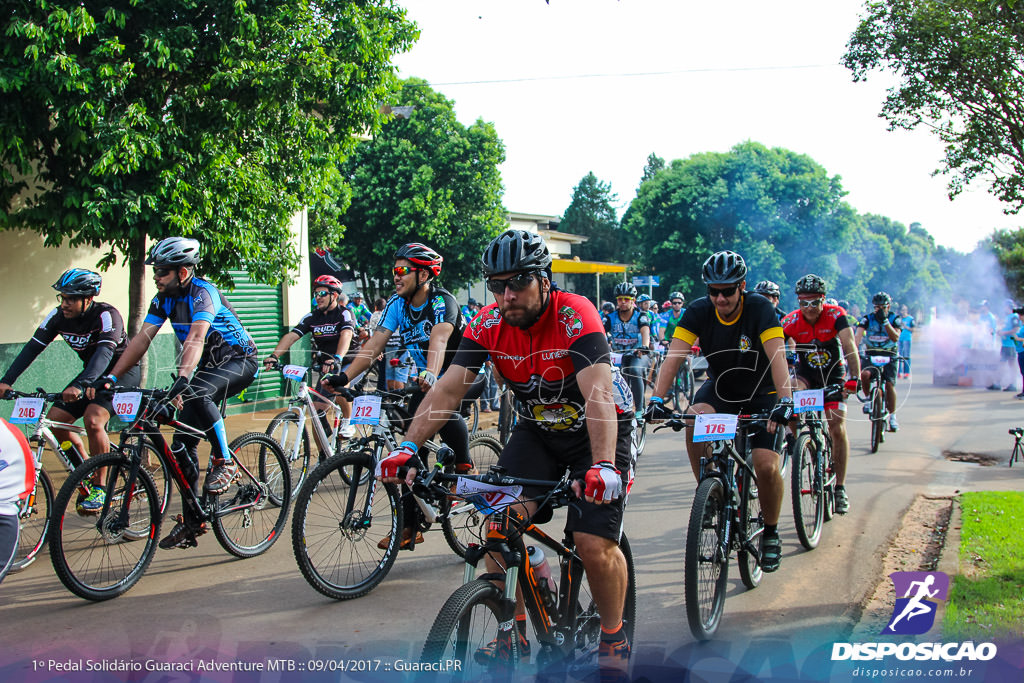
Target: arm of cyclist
(602,482)
(677,351)
(439,335)
(775,348)
(98,362)
(373,347)
(437,406)
(283,345)
(849,345)
(133,353)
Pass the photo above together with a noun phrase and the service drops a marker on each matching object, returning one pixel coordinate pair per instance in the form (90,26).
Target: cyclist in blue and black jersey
(95,331)
(629,331)
(430,324)
(647,305)
(214,345)
(880,331)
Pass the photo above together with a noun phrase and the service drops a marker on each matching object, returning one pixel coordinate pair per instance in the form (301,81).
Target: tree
(215,119)
(770,205)
(653,165)
(961,70)
(424,178)
(591,213)
(1008,246)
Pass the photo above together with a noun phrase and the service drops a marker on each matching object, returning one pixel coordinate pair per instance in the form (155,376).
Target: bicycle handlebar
(13,394)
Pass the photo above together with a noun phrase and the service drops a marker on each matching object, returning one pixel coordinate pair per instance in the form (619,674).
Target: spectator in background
(1007,345)
(906,332)
(470,310)
(361,313)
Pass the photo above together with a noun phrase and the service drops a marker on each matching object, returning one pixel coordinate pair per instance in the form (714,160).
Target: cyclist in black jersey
(215,347)
(743,341)
(332,326)
(95,331)
(770,290)
(430,324)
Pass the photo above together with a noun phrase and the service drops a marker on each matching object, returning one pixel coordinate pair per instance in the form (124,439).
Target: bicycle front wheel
(706,566)
(639,436)
(807,493)
(462,521)
(346,527)
(751,520)
(33,522)
(155,464)
(250,515)
(99,556)
(290,431)
(877,421)
(462,633)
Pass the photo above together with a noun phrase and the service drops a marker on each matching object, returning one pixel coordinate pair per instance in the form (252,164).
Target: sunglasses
(623,298)
(808,303)
(725,291)
(402,271)
(70,299)
(162,272)
(321,295)
(677,303)
(516,283)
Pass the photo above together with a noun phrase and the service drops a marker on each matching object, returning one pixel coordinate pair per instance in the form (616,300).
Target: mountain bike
(35,510)
(99,556)
(874,396)
(813,479)
(289,426)
(725,516)
(565,623)
(348,526)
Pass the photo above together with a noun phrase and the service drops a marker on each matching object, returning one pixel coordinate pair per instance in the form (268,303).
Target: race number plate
(714,427)
(27,410)
(487,498)
(880,360)
(808,401)
(126,404)
(616,359)
(365,410)
(294,372)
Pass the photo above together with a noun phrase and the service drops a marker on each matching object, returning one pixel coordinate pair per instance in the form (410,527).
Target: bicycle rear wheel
(753,522)
(341,519)
(249,516)
(706,570)
(462,521)
(807,493)
(288,430)
(100,556)
(34,522)
(468,621)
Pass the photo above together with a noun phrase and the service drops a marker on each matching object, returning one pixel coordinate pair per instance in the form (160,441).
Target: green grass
(986,599)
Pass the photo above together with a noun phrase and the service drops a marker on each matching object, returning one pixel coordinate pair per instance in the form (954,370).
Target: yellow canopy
(559,265)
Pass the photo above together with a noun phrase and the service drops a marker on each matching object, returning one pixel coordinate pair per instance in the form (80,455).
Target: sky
(582,86)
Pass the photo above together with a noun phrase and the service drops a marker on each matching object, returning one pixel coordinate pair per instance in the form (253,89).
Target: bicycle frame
(303,404)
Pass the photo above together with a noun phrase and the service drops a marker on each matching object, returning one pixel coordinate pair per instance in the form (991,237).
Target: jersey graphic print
(571,319)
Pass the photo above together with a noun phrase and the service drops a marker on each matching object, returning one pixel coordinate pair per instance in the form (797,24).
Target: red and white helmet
(421,256)
(329,281)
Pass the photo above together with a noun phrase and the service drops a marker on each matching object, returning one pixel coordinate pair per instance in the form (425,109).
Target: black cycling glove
(880,316)
(782,413)
(336,381)
(104,384)
(657,410)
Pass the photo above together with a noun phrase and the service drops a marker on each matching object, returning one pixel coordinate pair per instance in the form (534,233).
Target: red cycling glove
(603,482)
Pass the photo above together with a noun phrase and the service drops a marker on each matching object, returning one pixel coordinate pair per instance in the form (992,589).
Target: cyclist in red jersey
(822,336)
(550,347)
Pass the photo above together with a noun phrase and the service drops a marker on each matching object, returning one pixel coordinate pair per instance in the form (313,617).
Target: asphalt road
(205,605)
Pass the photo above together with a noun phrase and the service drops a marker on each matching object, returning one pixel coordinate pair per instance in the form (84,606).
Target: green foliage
(425,178)
(961,70)
(218,119)
(1008,246)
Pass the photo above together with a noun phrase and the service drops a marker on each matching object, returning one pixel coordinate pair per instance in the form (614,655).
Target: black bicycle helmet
(516,250)
(843,304)
(625,289)
(724,268)
(78,282)
(767,288)
(811,284)
(881,299)
(174,251)
(421,256)
(676,295)
(608,307)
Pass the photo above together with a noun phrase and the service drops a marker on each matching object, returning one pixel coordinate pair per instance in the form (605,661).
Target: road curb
(949,558)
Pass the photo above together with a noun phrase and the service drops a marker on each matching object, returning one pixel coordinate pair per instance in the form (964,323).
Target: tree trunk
(137,302)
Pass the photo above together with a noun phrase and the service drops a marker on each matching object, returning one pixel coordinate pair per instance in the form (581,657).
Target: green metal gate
(261,310)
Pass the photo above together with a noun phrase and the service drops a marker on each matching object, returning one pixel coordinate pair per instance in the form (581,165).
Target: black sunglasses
(321,294)
(725,291)
(162,272)
(516,283)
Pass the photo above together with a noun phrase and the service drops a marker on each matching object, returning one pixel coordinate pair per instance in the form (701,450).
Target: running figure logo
(914,612)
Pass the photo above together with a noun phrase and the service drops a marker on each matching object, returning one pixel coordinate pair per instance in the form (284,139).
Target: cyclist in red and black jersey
(822,336)
(95,331)
(550,347)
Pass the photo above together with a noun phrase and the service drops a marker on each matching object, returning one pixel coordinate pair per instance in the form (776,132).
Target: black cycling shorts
(888,370)
(131,378)
(535,454)
(755,404)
